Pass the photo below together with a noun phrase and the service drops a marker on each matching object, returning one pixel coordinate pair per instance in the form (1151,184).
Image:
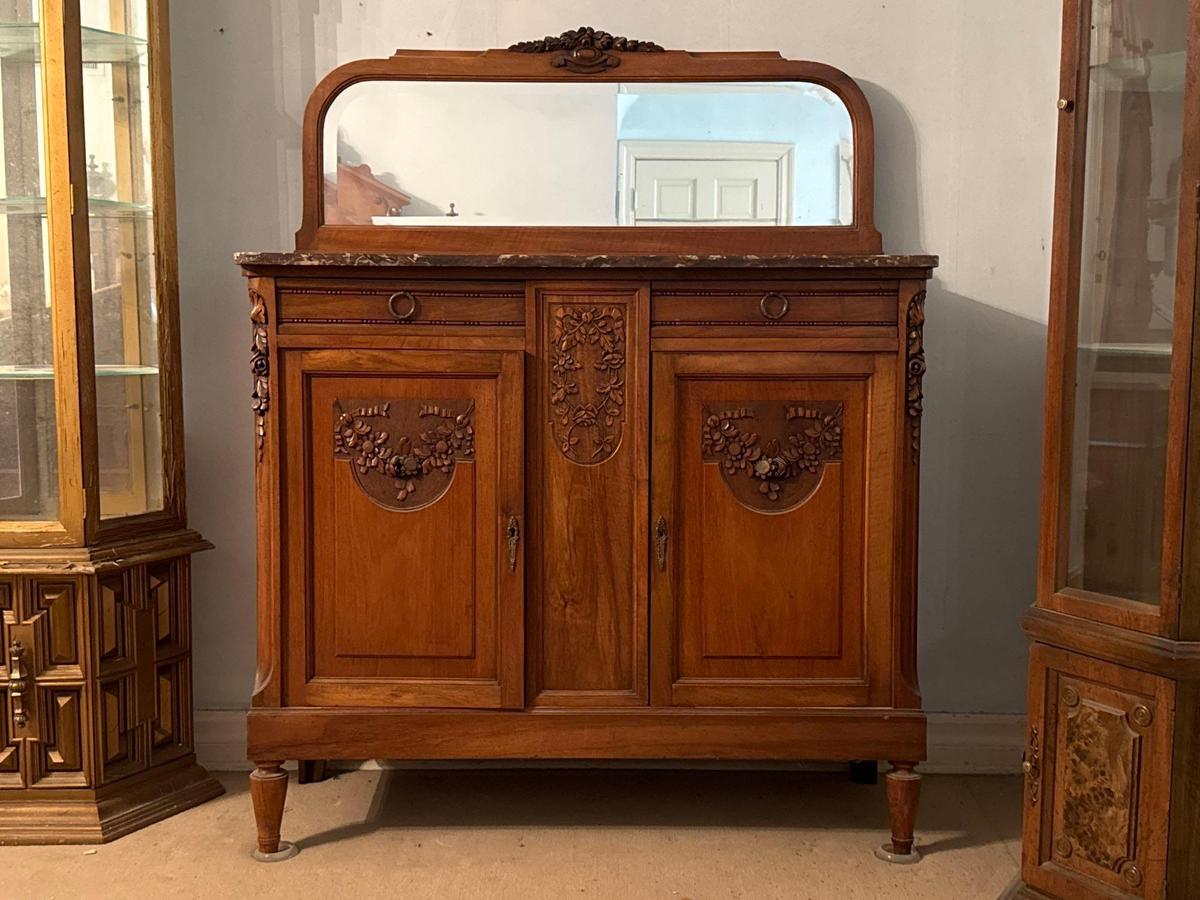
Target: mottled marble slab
(596,261)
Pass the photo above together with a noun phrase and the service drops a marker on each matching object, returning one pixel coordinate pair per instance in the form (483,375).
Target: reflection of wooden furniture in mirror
(484,534)
(1111,800)
(95,656)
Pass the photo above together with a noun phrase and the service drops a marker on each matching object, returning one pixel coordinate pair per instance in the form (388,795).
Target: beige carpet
(555,833)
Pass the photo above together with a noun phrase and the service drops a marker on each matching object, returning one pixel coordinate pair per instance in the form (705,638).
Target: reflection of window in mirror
(481,153)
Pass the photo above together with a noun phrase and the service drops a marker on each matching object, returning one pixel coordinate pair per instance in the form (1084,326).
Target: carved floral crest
(586,49)
(774,474)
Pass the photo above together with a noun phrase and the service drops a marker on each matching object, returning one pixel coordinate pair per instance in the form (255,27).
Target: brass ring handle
(412,305)
(780,304)
(17,683)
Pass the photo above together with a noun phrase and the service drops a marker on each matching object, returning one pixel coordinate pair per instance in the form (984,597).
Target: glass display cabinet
(95,708)
(1112,799)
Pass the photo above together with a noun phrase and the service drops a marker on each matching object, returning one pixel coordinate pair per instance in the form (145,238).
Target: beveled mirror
(593,143)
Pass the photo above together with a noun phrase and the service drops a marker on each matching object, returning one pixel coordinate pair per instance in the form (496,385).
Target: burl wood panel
(1097,777)
(591,396)
(401,492)
(763,597)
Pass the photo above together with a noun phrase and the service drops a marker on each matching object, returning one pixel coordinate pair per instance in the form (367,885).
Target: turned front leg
(268,791)
(903,792)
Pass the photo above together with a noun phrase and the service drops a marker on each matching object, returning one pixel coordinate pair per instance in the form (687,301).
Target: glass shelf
(1165,72)
(46,373)
(1127,349)
(24,40)
(97,209)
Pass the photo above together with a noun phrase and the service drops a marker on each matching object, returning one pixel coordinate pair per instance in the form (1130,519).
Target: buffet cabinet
(639,508)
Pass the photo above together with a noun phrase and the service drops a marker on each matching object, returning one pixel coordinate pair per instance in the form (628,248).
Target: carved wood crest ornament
(779,473)
(587,381)
(411,464)
(260,368)
(585,49)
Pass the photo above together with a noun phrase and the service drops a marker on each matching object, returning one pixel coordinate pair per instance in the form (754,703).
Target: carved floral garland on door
(410,471)
(779,473)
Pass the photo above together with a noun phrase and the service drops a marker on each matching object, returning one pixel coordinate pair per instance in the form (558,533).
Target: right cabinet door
(772,528)
(1097,777)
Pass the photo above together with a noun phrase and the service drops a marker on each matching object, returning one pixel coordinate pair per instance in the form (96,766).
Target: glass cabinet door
(28,438)
(121,215)
(1125,327)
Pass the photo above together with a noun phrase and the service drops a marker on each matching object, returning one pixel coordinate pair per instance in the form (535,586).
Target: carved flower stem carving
(587,381)
(915,398)
(260,368)
(775,465)
(407,462)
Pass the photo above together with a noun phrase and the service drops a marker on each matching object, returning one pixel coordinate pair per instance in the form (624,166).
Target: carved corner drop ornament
(413,469)
(587,382)
(586,50)
(915,397)
(780,473)
(260,368)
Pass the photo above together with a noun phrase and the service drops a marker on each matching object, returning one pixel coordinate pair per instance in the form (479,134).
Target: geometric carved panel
(778,470)
(60,760)
(59,638)
(112,619)
(121,752)
(161,586)
(10,751)
(171,728)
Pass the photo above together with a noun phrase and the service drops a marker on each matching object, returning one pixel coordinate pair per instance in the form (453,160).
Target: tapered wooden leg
(312,771)
(268,791)
(903,791)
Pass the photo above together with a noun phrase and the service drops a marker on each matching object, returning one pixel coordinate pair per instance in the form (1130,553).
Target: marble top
(595,261)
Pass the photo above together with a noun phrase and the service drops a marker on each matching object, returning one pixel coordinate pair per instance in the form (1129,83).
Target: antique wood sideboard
(568,493)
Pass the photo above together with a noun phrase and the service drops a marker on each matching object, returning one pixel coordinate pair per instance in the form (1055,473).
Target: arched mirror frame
(586,56)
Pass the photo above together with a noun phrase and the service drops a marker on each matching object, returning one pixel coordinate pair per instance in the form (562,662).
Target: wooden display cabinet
(95,659)
(1112,799)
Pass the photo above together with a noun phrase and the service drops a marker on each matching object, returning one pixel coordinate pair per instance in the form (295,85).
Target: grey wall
(964,97)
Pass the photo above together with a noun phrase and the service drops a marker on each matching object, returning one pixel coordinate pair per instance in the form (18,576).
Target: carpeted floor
(556,833)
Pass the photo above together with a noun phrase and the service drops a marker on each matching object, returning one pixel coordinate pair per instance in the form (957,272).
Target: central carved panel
(587,381)
(403,453)
(772,455)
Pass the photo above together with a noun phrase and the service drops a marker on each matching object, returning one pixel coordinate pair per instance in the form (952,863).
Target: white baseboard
(959,743)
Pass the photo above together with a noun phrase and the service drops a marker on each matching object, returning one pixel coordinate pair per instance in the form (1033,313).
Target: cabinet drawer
(798,305)
(401,303)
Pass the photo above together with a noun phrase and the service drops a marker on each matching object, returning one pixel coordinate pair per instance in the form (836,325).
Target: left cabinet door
(402,499)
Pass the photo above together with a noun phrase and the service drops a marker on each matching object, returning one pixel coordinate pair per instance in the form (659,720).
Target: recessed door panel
(1097,777)
(406,490)
(773,576)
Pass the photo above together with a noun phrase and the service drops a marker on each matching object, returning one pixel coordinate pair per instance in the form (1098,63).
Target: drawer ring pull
(774,306)
(394,309)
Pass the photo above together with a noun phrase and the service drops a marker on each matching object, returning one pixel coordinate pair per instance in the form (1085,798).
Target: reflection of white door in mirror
(686,182)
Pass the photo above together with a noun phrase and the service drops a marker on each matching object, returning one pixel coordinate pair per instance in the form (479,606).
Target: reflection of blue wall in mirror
(809,117)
